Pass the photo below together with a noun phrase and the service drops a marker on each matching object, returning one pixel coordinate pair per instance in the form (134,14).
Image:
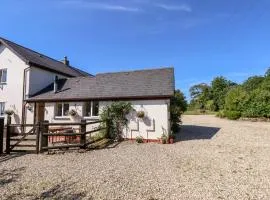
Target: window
(91,109)
(62,109)
(2,109)
(3,75)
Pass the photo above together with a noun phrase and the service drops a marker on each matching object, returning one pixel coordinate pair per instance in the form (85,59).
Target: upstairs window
(91,109)
(61,109)
(3,76)
(2,109)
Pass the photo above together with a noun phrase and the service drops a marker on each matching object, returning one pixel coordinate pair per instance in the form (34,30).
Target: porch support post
(44,138)
(1,134)
(38,130)
(83,131)
(8,134)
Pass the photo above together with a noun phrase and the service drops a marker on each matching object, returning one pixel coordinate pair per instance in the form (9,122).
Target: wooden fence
(43,135)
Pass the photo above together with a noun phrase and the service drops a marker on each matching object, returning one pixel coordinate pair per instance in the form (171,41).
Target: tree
(235,98)
(252,83)
(220,86)
(200,94)
(267,73)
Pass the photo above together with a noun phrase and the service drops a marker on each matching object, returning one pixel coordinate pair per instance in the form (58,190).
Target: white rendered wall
(152,126)
(12,92)
(39,79)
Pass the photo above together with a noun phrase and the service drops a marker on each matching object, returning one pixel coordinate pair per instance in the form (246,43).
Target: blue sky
(200,38)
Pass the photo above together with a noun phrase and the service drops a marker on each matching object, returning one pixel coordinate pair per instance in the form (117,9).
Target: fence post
(2,120)
(107,129)
(8,134)
(38,129)
(83,131)
(44,138)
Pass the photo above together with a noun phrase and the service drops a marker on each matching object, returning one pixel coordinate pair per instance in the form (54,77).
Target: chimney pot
(66,61)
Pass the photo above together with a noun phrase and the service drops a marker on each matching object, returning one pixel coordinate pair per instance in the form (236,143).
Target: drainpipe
(23,99)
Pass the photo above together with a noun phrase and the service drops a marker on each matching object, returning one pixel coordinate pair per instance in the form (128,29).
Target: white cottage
(40,88)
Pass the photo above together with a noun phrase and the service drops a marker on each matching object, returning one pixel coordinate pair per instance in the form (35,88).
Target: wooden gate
(21,137)
(36,138)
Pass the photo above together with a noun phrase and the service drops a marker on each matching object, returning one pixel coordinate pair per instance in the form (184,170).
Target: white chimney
(55,84)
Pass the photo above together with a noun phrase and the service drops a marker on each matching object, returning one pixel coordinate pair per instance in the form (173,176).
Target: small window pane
(2,108)
(66,109)
(4,76)
(95,108)
(59,109)
(87,109)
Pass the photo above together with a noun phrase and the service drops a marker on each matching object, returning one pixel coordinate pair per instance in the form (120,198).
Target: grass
(198,112)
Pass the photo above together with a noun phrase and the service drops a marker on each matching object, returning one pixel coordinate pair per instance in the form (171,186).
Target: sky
(201,39)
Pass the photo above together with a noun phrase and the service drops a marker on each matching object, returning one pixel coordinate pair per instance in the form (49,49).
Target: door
(40,112)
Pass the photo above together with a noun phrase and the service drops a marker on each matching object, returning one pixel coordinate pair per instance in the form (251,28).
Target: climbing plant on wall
(114,116)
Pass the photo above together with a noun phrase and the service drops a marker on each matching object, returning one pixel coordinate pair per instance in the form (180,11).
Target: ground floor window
(91,109)
(2,109)
(61,109)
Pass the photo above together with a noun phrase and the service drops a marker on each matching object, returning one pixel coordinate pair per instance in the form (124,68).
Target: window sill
(62,118)
(92,118)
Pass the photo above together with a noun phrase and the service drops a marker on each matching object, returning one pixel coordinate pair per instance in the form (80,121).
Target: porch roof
(155,83)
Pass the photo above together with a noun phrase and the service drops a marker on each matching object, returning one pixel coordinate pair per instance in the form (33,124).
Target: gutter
(102,99)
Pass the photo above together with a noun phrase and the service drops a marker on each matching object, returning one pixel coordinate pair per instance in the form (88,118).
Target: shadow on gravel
(66,191)
(8,176)
(191,132)
(103,144)
(62,191)
(6,157)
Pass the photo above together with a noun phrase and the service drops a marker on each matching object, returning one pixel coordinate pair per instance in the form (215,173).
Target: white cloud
(183,7)
(101,6)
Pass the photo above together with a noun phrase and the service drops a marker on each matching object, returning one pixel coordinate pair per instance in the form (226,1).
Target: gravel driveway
(214,159)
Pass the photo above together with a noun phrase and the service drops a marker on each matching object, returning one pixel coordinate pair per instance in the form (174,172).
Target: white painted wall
(39,79)
(152,126)
(12,92)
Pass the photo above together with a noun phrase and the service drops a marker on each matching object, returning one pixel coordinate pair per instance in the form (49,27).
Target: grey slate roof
(37,59)
(133,85)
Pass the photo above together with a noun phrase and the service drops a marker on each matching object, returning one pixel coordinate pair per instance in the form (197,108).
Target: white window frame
(2,108)
(1,75)
(56,110)
(91,110)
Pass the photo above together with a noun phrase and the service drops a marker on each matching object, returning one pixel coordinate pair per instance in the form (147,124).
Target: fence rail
(44,134)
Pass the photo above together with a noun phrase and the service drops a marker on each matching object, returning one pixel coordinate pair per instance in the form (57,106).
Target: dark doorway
(40,112)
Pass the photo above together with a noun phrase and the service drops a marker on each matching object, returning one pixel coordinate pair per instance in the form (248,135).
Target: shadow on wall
(191,132)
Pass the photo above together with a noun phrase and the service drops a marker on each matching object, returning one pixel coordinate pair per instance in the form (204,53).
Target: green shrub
(210,105)
(164,138)
(139,139)
(232,115)
(114,116)
(235,98)
(257,104)
(221,114)
(177,107)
